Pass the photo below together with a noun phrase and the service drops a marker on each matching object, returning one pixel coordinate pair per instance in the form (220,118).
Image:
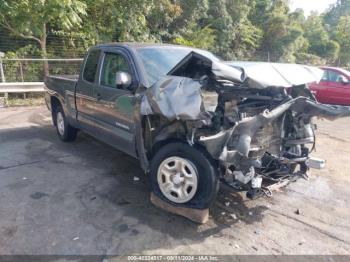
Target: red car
(334,88)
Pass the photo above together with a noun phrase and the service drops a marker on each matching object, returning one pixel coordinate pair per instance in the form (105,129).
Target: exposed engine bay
(257,127)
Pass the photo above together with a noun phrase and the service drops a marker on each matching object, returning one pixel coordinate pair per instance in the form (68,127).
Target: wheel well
(157,146)
(54,104)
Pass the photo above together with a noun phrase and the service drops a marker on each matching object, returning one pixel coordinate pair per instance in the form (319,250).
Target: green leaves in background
(233,29)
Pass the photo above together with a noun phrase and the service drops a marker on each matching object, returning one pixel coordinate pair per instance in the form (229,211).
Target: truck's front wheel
(184,176)
(65,132)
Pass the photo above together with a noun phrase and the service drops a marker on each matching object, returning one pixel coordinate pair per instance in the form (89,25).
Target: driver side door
(114,106)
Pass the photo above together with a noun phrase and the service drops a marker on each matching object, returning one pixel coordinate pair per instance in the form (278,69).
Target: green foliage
(343,38)
(233,29)
(283,32)
(309,59)
(18,71)
(30,18)
(200,38)
(340,9)
(320,43)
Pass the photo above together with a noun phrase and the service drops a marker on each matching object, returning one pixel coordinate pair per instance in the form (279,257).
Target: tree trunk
(43,51)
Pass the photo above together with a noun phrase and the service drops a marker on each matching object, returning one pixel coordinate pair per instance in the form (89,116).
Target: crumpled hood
(252,74)
(261,75)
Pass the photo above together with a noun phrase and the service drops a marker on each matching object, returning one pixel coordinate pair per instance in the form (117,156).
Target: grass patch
(29,99)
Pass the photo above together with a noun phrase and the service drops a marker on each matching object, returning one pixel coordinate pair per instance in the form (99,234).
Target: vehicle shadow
(115,198)
(133,197)
(135,201)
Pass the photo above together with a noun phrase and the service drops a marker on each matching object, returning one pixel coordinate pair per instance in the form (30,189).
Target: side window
(91,65)
(113,63)
(334,77)
(325,76)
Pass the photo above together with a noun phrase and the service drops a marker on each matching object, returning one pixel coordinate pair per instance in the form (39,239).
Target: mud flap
(200,216)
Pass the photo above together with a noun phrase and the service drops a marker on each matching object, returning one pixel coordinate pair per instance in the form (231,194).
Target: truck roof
(135,45)
(140,45)
(134,49)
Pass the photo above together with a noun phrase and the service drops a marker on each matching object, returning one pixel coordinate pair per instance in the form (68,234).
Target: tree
(233,29)
(335,12)
(280,34)
(283,32)
(32,19)
(200,38)
(137,20)
(235,35)
(261,11)
(161,17)
(343,37)
(320,43)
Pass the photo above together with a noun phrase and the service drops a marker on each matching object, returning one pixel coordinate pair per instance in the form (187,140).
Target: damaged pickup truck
(192,120)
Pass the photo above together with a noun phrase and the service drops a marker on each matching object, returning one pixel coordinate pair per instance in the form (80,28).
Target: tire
(199,182)
(65,132)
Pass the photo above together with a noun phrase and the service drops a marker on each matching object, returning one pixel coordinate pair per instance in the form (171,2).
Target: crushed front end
(259,131)
(265,139)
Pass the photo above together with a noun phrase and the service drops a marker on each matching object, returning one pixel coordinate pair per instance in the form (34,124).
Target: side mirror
(122,79)
(343,80)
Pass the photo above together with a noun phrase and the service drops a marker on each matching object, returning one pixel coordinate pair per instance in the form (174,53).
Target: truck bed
(61,84)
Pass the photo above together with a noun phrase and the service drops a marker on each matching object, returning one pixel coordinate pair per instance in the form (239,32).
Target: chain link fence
(32,69)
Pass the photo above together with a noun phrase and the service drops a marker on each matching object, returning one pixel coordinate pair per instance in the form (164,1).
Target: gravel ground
(82,199)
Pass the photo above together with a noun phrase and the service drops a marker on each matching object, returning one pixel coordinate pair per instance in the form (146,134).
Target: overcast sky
(311,5)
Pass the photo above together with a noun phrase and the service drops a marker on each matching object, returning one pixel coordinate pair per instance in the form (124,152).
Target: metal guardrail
(45,59)
(21,87)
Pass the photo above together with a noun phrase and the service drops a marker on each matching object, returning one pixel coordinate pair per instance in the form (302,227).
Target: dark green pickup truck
(192,119)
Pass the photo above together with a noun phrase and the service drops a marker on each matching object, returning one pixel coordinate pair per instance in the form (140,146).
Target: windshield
(158,61)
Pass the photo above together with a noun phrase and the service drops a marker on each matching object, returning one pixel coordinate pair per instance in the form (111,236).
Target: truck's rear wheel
(65,132)
(184,176)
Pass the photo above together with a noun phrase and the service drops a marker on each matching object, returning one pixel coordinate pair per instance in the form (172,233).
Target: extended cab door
(114,105)
(85,99)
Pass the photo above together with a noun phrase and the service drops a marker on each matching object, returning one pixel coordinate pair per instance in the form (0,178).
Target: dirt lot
(81,198)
